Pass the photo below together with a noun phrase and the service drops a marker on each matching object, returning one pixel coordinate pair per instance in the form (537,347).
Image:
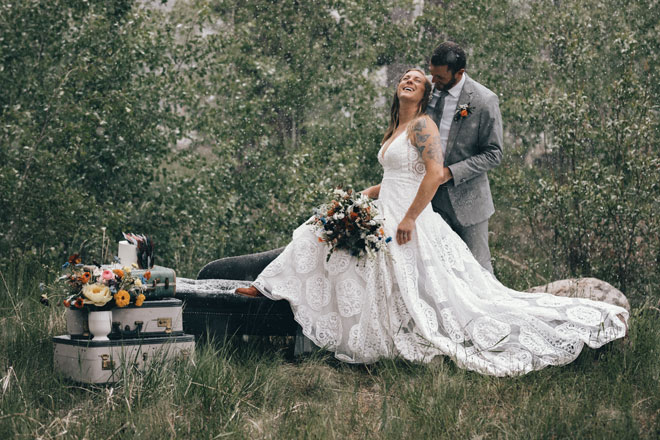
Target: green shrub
(214,126)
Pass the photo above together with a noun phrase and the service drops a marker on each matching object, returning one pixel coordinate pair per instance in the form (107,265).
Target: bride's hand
(372,191)
(405,230)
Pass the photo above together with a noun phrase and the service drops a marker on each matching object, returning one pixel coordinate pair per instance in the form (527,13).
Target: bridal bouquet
(348,221)
(94,286)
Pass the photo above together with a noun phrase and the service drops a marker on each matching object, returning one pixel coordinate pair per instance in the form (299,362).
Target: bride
(426,296)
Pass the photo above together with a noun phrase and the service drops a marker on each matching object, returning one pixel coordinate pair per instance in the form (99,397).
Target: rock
(590,288)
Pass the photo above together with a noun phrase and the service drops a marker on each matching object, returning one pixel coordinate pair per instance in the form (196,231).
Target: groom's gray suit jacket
(474,146)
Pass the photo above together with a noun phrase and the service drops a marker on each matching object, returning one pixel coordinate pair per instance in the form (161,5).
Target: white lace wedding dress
(428,297)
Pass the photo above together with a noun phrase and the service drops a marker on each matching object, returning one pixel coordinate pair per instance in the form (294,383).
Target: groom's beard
(452,82)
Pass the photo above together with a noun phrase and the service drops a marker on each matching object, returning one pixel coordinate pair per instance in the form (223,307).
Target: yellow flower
(98,294)
(139,300)
(127,270)
(122,298)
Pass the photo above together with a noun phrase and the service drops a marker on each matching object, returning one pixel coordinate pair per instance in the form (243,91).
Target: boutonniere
(463,111)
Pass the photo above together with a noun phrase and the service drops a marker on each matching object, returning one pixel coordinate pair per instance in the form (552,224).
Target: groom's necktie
(439,107)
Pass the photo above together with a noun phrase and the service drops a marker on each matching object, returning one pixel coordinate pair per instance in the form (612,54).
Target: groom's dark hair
(449,54)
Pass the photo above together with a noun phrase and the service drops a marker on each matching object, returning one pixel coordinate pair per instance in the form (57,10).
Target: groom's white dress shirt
(451,101)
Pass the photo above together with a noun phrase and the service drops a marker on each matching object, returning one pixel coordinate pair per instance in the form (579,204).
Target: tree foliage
(215,125)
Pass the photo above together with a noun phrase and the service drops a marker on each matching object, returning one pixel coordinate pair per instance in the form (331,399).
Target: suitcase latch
(165,322)
(107,363)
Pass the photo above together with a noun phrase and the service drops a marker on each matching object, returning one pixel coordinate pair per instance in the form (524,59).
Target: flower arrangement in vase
(102,289)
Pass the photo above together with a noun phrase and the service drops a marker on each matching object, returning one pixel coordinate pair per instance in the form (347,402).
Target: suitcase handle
(118,333)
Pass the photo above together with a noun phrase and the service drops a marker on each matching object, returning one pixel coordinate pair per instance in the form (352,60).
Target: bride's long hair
(394,111)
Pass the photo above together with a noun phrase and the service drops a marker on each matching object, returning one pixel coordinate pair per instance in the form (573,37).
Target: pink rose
(107,275)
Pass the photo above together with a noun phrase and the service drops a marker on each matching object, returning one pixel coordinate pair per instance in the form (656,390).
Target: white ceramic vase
(100,324)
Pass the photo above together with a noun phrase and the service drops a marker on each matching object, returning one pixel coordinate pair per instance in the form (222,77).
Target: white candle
(127,253)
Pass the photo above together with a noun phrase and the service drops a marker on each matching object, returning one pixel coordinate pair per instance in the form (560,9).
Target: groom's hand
(405,230)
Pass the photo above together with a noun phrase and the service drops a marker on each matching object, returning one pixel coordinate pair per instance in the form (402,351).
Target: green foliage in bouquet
(349,221)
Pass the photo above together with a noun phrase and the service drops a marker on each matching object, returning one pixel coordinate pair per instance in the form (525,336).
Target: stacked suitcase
(140,335)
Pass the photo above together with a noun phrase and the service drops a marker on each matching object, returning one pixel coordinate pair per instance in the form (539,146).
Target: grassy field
(236,389)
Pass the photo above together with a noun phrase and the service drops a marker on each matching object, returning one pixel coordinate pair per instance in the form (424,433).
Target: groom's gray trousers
(475,236)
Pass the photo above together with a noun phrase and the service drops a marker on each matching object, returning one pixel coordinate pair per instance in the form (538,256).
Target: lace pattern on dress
(428,297)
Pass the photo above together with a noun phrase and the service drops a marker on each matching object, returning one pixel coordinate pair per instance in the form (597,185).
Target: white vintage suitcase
(102,361)
(162,317)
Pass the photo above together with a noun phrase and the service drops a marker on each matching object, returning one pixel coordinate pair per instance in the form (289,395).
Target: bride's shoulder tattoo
(418,129)
(426,142)
(420,124)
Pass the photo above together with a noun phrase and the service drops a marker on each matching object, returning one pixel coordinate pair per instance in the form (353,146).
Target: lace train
(428,297)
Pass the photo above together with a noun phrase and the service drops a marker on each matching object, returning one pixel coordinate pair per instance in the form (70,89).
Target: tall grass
(236,389)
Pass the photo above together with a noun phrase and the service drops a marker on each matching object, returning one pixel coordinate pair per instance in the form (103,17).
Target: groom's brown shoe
(251,292)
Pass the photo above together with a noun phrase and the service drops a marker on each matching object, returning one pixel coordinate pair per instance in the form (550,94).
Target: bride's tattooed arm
(425,138)
(427,141)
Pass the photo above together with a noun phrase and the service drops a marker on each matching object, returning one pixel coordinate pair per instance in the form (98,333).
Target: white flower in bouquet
(98,294)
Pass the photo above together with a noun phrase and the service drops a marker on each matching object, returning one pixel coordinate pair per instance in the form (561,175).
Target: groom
(470,125)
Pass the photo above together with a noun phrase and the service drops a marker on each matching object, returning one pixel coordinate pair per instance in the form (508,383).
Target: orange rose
(118,272)
(354,215)
(147,275)
(464,113)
